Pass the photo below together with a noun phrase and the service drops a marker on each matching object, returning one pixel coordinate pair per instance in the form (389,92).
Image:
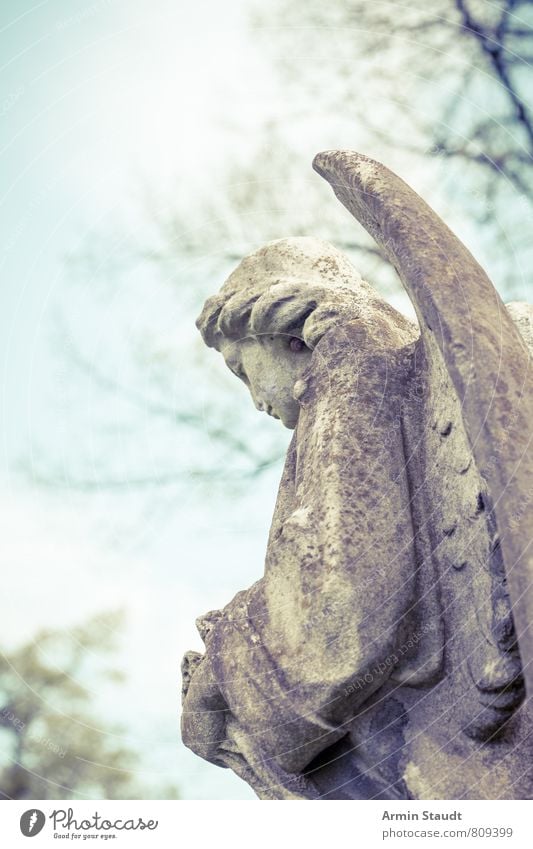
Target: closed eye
(296,344)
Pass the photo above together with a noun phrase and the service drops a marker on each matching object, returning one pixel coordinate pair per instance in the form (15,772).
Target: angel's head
(275,307)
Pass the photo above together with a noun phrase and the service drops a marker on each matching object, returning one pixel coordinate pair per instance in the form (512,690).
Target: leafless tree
(449,80)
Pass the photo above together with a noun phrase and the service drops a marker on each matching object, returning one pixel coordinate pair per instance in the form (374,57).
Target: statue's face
(270,365)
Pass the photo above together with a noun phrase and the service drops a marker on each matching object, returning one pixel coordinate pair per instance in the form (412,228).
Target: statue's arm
(291,661)
(299,653)
(340,577)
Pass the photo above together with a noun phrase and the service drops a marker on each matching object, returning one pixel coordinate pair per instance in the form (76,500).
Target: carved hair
(298,285)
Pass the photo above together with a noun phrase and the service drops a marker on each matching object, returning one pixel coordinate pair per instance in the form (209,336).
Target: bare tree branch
(493,46)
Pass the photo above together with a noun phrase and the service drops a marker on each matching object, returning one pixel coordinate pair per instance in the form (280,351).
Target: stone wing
(468,341)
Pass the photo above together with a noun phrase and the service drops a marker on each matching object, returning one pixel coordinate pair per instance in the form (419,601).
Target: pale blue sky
(94,97)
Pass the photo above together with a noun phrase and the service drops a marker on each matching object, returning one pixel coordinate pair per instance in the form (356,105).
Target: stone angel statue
(386,652)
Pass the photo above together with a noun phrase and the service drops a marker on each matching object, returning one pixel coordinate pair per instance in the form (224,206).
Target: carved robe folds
(322,679)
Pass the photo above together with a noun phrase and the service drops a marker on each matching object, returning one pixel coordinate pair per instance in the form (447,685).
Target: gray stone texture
(386,651)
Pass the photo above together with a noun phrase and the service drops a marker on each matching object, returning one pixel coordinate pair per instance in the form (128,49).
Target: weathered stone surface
(377,657)
(465,326)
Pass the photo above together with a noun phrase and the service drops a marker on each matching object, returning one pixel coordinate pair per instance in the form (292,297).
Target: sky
(99,100)
(94,98)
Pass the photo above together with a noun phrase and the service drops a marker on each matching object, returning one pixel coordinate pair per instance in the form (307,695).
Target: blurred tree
(446,84)
(184,255)
(52,746)
(450,80)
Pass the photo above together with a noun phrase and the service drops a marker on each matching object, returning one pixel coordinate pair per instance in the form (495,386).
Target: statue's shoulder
(351,343)
(351,355)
